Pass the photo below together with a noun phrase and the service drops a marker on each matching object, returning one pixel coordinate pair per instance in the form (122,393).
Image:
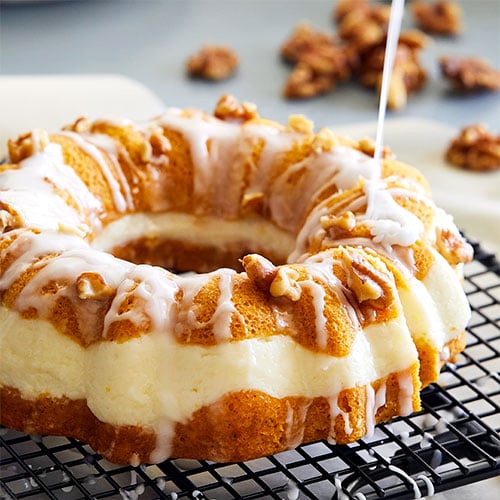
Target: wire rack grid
(454,440)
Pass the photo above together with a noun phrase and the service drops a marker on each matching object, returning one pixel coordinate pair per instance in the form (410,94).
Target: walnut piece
(470,74)
(304,39)
(303,82)
(320,62)
(408,74)
(442,17)
(362,279)
(361,23)
(259,270)
(229,109)
(475,148)
(453,247)
(285,284)
(212,62)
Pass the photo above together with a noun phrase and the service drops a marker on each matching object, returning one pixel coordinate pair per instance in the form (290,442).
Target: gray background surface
(150,40)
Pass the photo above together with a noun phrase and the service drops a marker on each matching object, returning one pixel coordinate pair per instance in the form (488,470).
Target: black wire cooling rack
(453,441)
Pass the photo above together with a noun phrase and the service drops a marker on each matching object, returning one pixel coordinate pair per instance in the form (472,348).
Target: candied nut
(408,75)
(304,82)
(362,24)
(285,284)
(212,62)
(443,17)
(91,285)
(320,60)
(469,74)
(344,7)
(333,60)
(304,39)
(475,148)
(229,109)
(259,270)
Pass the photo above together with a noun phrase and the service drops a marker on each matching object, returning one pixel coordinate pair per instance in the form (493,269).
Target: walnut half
(475,148)
(470,74)
(443,17)
(212,62)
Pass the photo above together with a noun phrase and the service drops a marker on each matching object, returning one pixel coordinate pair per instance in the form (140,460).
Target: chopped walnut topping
(362,278)
(442,17)
(160,145)
(453,247)
(278,281)
(367,145)
(259,270)
(408,74)
(475,148)
(469,74)
(324,140)
(299,123)
(27,145)
(212,62)
(285,284)
(92,286)
(9,219)
(229,109)
(344,222)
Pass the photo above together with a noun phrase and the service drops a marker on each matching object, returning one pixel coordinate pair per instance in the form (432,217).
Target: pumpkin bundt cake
(326,289)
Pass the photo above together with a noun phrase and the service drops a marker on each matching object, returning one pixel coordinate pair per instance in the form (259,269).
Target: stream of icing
(395,20)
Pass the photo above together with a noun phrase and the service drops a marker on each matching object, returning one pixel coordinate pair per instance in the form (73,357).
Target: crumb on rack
(442,17)
(475,148)
(212,62)
(470,74)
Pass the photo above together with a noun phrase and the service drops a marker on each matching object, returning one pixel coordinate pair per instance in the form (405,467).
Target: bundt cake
(218,287)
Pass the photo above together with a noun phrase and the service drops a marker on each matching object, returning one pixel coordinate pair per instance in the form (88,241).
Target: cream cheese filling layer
(211,231)
(152,379)
(436,308)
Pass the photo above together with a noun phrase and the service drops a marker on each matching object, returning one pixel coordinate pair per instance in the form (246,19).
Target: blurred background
(150,41)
